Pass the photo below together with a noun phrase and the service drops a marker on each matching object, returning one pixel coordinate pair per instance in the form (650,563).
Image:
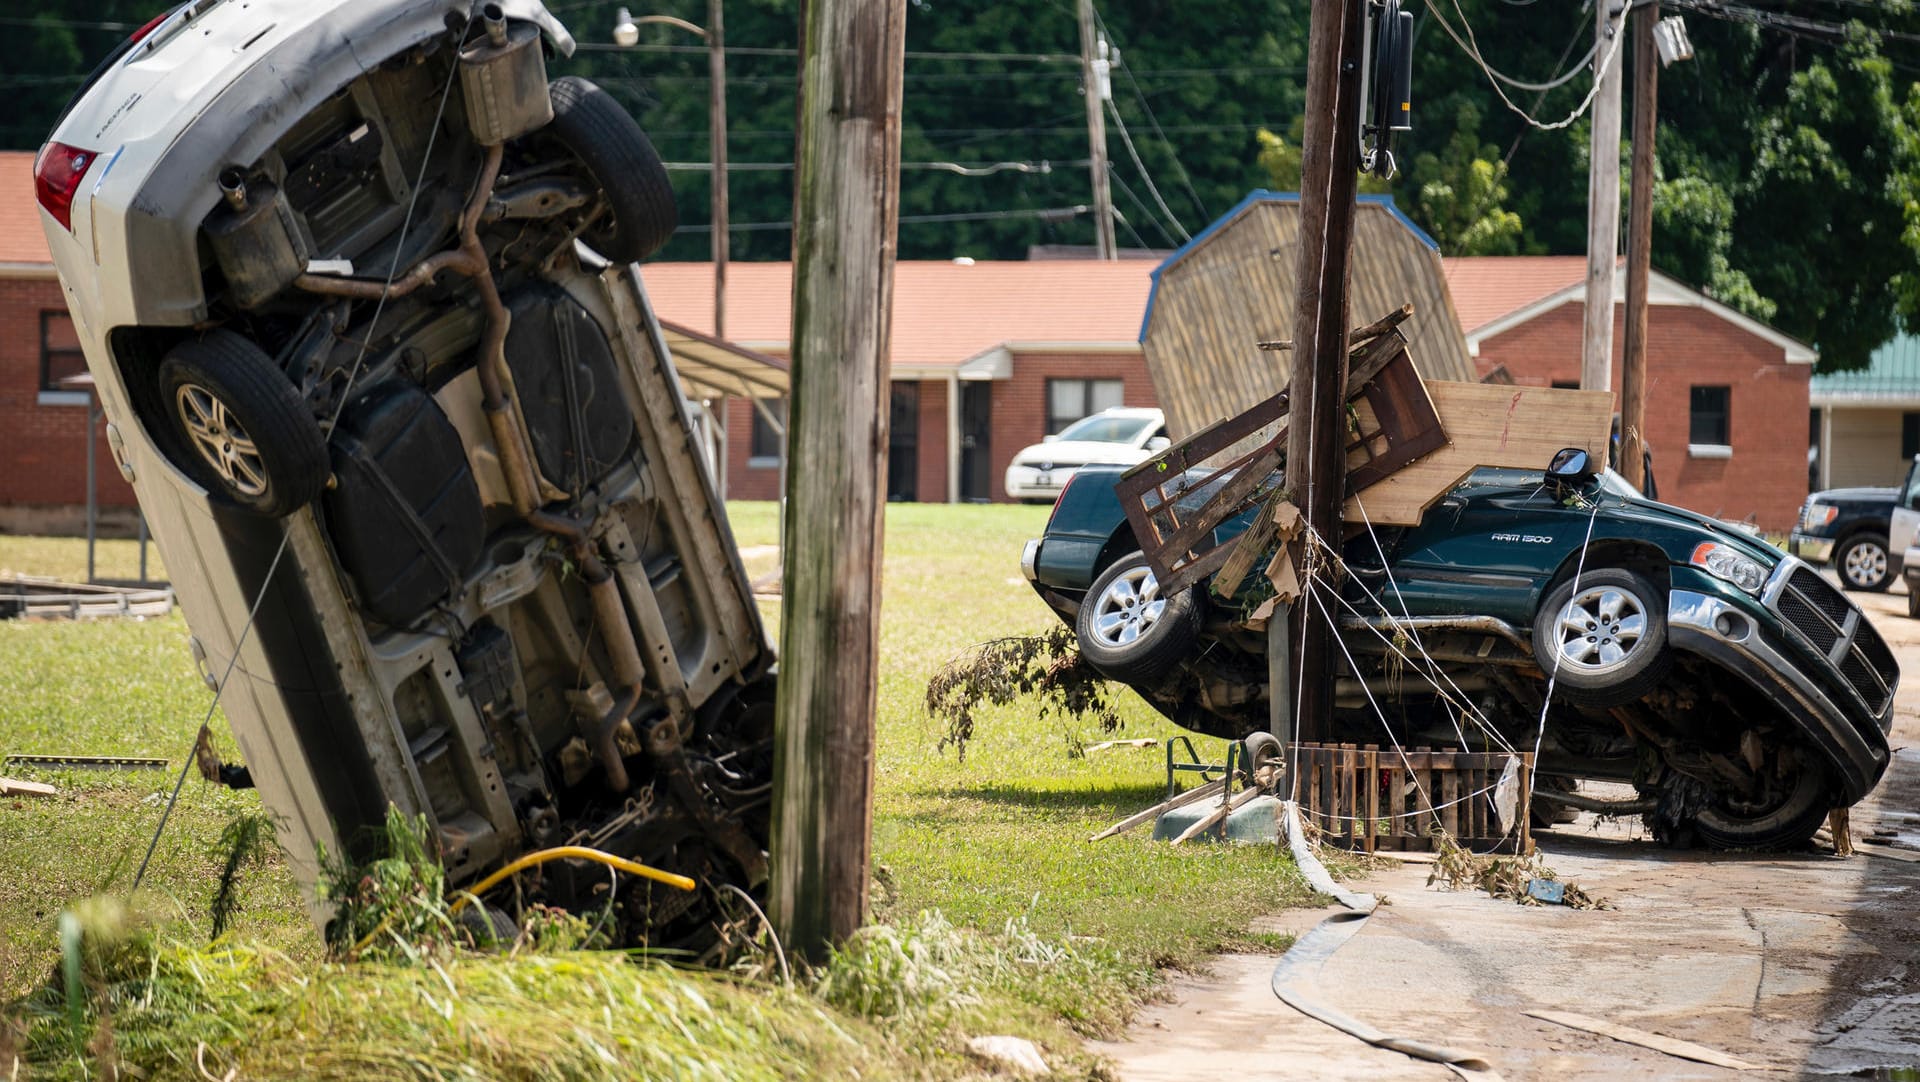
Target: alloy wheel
(220,440)
(1866,564)
(1599,628)
(1128,607)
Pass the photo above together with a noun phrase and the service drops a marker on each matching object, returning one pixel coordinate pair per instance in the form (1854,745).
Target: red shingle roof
(1487,287)
(943,312)
(21,240)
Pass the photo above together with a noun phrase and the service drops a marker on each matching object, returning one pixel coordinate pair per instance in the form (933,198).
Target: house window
(766,444)
(1068,400)
(1708,425)
(60,357)
(1566,384)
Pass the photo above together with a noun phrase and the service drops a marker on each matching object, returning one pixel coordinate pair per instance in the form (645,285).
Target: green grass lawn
(998,837)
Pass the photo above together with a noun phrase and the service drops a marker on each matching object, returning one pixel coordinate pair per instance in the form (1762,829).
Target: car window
(1099,429)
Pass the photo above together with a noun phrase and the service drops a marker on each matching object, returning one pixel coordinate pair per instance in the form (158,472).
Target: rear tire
(1788,824)
(1127,631)
(244,432)
(622,163)
(1863,564)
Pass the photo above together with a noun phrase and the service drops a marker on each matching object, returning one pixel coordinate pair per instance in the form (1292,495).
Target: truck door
(1904,529)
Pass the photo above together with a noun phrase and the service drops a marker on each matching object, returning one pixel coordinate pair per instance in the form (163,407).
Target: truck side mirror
(1570,466)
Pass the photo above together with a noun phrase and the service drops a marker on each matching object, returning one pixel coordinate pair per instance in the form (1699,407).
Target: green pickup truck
(1738,690)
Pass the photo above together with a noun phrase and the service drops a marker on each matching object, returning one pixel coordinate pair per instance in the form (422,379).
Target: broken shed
(1232,287)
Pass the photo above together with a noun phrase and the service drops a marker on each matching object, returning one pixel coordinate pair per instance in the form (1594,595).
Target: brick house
(987,357)
(43,426)
(1727,396)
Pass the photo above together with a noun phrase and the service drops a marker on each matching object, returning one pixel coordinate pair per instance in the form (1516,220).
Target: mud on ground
(1806,963)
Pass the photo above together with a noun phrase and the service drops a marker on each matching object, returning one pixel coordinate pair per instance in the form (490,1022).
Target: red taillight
(56,176)
(148,29)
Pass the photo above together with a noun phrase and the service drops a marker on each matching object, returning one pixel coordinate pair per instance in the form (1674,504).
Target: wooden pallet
(1365,798)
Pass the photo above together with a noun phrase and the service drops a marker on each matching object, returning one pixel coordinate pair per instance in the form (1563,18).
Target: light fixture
(625,33)
(1670,38)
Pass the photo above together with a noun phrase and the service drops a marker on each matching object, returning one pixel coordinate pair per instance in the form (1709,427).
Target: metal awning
(713,368)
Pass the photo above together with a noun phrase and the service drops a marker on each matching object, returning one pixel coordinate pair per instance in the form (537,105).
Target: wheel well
(1642,559)
(1862,529)
(1121,543)
(137,353)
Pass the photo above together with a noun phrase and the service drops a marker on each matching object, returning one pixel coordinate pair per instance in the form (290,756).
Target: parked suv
(1863,532)
(1732,684)
(354,280)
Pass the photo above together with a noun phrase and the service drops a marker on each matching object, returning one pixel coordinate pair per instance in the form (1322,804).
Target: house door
(976,441)
(903,443)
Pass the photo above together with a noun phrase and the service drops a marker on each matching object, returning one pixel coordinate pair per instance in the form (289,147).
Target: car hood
(1079,453)
(1746,544)
(1857,495)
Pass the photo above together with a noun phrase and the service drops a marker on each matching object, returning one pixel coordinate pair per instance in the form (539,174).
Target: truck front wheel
(1863,564)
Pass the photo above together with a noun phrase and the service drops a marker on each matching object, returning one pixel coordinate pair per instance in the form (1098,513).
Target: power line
(1152,189)
(1045,214)
(1470,46)
(1172,153)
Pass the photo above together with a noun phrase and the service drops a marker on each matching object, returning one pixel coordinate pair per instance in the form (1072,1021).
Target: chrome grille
(1821,614)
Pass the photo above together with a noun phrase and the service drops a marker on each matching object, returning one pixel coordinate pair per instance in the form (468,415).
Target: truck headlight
(1724,563)
(1817,515)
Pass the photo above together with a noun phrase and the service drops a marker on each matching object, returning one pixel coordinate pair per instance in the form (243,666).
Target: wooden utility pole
(846,215)
(1317,431)
(1603,203)
(1094,72)
(717,128)
(1633,367)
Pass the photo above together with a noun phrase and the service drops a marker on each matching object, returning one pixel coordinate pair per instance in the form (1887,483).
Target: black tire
(1863,564)
(244,432)
(1788,824)
(1622,659)
(1913,602)
(622,163)
(1127,631)
(1262,748)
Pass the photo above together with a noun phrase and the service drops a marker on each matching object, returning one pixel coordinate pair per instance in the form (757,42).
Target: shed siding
(1236,289)
(1866,448)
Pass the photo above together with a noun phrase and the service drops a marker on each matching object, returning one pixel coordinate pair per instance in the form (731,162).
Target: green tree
(1461,193)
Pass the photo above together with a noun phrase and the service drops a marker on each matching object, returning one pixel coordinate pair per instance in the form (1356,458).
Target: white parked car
(354,280)
(1121,436)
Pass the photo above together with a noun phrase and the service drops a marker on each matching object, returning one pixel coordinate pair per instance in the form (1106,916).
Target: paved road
(1806,962)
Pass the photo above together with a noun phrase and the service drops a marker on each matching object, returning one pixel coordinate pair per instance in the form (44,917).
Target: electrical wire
(1152,189)
(1473,53)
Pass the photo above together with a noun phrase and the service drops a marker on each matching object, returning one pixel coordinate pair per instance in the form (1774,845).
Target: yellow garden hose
(576,851)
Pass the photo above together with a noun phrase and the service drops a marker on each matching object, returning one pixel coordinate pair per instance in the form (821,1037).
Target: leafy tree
(1461,192)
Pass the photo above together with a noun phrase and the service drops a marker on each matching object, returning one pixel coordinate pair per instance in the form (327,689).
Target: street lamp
(626,34)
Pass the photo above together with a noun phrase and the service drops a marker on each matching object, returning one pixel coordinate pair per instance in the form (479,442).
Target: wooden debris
(1839,824)
(1108,745)
(1672,1046)
(1488,425)
(15,787)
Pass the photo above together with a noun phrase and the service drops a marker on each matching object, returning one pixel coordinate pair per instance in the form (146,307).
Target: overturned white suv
(412,447)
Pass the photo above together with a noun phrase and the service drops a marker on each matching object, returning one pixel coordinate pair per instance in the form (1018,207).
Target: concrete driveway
(1807,963)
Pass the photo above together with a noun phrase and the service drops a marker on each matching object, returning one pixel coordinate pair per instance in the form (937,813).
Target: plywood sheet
(1488,425)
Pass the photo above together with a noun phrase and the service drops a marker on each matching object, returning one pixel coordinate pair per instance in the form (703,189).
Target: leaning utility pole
(1316,421)
(1633,366)
(1096,74)
(846,215)
(1603,203)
